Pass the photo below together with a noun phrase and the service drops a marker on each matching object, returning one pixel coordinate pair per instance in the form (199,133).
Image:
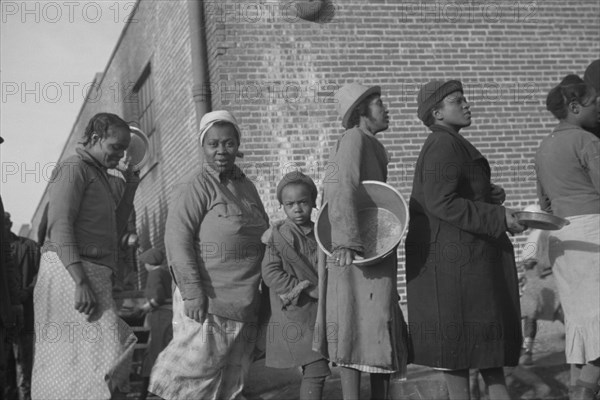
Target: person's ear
(574,107)
(437,114)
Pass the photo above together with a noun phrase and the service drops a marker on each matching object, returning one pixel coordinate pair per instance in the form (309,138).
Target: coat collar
(473,152)
(305,230)
(89,159)
(565,126)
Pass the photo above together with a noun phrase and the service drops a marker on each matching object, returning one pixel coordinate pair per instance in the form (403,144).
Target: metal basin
(137,154)
(382,220)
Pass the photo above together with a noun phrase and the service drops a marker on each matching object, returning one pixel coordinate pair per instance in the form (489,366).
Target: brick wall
(277,73)
(275,70)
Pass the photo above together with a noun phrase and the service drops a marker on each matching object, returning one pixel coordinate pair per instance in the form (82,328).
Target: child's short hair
(297,177)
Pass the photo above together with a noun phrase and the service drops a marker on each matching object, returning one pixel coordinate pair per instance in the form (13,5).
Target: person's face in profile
(377,115)
(454,111)
(110,149)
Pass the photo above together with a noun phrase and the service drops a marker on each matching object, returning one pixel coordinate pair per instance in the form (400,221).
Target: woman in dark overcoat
(463,299)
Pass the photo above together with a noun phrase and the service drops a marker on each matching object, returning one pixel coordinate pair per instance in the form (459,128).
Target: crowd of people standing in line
(463,308)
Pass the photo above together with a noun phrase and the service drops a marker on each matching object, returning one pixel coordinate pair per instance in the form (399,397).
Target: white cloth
(576,255)
(76,358)
(208,361)
(209,119)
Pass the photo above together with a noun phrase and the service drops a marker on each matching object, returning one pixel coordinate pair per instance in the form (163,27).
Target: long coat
(290,258)
(359,321)
(463,302)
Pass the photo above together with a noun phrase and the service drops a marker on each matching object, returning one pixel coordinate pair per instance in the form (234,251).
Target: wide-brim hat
(350,96)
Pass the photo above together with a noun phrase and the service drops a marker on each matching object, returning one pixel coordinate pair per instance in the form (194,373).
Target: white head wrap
(209,119)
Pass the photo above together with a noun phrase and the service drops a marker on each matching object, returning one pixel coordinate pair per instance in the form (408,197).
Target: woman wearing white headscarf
(214,250)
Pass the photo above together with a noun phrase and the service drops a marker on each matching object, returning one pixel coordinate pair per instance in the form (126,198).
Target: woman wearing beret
(462,285)
(568,175)
(213,242)
(360,324)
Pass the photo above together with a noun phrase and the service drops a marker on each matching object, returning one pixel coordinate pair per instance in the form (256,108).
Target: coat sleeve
(182,226)
(543,198)
(440,176)
(590,160)
(67,187)
(155,289)
(125,208)
(341,192)
(273,273)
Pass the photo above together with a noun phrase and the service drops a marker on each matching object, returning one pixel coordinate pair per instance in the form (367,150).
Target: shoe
(526,358)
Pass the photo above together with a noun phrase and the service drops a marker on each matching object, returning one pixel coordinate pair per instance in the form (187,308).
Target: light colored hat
(350,96)
(210,118)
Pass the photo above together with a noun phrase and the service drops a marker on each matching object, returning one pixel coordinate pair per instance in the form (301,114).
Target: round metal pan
(541,220)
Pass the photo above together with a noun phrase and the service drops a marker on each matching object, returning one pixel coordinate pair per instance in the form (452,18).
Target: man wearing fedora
(360,302)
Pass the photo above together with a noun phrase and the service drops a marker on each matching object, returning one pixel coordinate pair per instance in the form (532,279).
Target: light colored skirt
(207,361)
(576,266)
(76,358)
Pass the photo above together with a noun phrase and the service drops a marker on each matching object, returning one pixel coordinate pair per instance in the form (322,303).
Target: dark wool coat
(290,258)
(463,301)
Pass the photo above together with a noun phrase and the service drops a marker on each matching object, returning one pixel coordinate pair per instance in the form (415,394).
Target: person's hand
(145,308)
(196,308)
(512,225)
(498,195)
(345,256)
(85,299)
(130,175)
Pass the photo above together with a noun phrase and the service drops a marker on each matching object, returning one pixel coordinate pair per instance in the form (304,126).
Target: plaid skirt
(208,361)
(75,358)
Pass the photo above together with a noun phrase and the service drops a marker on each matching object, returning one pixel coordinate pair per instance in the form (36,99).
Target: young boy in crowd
(289,269)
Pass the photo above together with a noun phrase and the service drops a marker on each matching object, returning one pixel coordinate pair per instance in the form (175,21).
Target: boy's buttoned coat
(463,302)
